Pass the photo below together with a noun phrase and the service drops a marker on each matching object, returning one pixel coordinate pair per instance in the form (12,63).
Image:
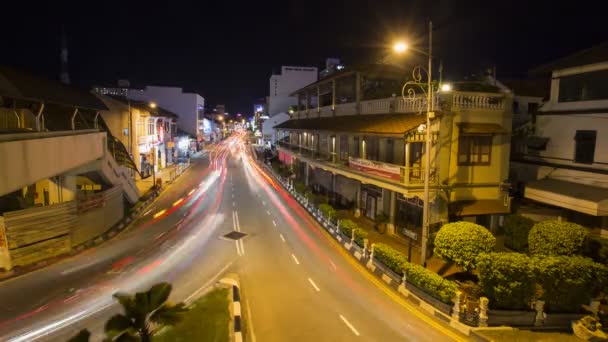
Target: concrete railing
(381,106)
(118,175)
(477,101)
(326,111)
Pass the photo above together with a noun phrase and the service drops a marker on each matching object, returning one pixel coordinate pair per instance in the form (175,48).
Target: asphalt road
(297,283)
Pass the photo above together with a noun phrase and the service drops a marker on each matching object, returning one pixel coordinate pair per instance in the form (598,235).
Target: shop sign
(379,169)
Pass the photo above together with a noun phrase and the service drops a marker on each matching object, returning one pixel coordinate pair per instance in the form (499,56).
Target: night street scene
(313,170)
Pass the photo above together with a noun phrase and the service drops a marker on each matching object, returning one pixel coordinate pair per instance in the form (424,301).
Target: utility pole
(427,169)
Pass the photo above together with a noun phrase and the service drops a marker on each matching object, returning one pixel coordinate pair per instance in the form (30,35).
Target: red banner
(379,169)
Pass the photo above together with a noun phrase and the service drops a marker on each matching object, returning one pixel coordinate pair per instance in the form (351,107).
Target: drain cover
(234,235)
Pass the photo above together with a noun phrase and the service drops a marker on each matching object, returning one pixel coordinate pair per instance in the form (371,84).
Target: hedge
(299,187)
(596,248)
(508,279)
(570,281)
(347,227)
(428,281)
(327,210)
(461,243)
(556,238)
(517,228)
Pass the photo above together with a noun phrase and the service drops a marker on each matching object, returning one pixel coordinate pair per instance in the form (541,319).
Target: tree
(143,311)
(82,336)
(556,238)
(461,243)
(508,279)
(516,229)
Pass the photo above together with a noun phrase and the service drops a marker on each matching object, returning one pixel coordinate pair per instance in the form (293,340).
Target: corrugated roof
(372,124)
(21,85)
(595,54)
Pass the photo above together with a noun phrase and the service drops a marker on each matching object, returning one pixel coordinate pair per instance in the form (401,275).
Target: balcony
(408,176)
(452,101)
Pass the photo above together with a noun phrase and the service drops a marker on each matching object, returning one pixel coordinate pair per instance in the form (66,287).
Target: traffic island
(208,319)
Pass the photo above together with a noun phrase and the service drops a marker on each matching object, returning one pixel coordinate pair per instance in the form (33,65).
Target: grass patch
(207,320)
(516,335)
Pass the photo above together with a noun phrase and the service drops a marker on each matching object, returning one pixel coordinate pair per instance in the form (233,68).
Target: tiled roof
(371,124)
(21,85)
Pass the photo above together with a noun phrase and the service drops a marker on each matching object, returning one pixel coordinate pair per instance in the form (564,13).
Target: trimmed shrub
(556,238)
(428,281)
(461,243)
(321,199)
(570,281)
(327,210)
(596,248)
(299,187)
(517,228)
(508,279)
(347,227)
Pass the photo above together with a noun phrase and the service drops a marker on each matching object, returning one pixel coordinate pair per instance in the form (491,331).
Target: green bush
(517,228)
(508,279)
(596,248)
(461,243)
(556,238)
(428,281)
(328,211)
(347,227)
(299,187)
(321,199)
(568,282)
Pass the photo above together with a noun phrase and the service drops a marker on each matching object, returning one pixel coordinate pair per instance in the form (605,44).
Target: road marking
(232,195)
(240,247)
(160,213)
(191,191)
(295,259)
(149,211)
(233,204)
(176,203)
(250,321)
(267,212)
(349,325)
(273,223)
(282,238)
(314,285)
(333,265)
(263,203)
(210,281)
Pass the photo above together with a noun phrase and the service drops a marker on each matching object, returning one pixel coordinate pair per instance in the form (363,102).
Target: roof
(583,198)
(595,54)
(21,85)
(534,87)
(145,106)
(385,71)
(478,207)
(373,124)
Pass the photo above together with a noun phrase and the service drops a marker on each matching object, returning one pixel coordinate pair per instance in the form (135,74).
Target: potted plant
(381,221)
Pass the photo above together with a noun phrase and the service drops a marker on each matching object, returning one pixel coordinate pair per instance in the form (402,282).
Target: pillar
(333,186)
(358,200)
(483,311)
(358,92)
(333,95)
(332,148)
(318,99)
(306,173)
(407,161)
(390,227)
(363,148)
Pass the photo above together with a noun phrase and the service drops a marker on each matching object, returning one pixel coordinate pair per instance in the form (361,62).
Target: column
(363,148)
(358,200)
(390,227)
(306,173)
(333,187)
(407,161)
(333,95)
(318,99)
(358,93)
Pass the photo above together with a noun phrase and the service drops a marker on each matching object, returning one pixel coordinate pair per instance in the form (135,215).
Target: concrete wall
(268,125)
(92,223)
(39,156)
(185,105)
(291,79)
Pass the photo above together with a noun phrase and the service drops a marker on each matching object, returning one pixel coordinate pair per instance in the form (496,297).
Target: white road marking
(232,195)
(349,325)
(251,331)
(240,247)
(267,212)
(149,211)
(263,203)
(282,238)
(273,223)
(233,204)
(333,265)
(295,259)
(314,285)
(209,282)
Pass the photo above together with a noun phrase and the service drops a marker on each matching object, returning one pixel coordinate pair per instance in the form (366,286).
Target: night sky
(226,50)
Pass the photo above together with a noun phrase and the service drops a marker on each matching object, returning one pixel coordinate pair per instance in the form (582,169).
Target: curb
(232,280)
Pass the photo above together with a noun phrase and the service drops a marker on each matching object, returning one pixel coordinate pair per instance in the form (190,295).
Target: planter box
(436,303)
(561,320)
(511,317)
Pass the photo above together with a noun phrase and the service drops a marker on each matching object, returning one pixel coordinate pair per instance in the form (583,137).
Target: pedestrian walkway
(167,175)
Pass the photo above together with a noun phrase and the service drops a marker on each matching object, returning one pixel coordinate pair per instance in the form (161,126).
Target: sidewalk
(167,175)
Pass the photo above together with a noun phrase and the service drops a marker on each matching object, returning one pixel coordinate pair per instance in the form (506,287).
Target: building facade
(281,87)
(351,140)
(188,106)
(565,162)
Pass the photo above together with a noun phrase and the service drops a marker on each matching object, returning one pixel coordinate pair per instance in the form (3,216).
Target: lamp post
(401,47)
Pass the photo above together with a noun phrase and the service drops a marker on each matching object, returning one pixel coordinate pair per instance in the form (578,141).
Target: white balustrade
(477,101)
(326,111)
(346,109)
(381,106)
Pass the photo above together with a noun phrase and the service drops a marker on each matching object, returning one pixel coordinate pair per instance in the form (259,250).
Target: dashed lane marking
(314,285)
(349,325)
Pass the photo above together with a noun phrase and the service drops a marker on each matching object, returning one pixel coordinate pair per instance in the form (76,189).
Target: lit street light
(152,105)
(400,47)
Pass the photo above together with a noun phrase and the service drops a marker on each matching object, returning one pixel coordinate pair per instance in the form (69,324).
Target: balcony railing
(477,101)
(395,173)
(382,106)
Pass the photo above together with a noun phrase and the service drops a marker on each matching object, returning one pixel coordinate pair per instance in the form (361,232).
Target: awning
(478,207)
(537,143)
(583,198)
(397,124)
(482,128)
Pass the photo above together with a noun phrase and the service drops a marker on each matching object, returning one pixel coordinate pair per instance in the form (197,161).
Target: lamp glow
(400,47)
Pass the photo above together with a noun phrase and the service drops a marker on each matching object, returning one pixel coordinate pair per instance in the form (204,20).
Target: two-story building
(566,163)
(355,138)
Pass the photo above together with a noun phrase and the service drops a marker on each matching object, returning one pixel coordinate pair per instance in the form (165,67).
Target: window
(515,107)
(584,150)
(474,149)
(532,108)
(356,148)
(584,87)
(372,147)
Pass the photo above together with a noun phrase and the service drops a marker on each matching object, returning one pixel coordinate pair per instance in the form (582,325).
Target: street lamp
(417,77)
(152,105)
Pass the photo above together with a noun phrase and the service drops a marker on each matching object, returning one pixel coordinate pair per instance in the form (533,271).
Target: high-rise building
(282,85)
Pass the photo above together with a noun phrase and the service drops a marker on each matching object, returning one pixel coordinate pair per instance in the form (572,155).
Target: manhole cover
(234,235)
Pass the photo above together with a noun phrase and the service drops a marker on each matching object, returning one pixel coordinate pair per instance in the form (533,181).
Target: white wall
(185,105)
(291,79)
(267,126)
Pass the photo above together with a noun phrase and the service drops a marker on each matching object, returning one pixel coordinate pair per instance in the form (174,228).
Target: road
(298,284)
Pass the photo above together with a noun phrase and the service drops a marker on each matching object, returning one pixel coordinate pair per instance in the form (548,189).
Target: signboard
(379,169)
(409,233)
